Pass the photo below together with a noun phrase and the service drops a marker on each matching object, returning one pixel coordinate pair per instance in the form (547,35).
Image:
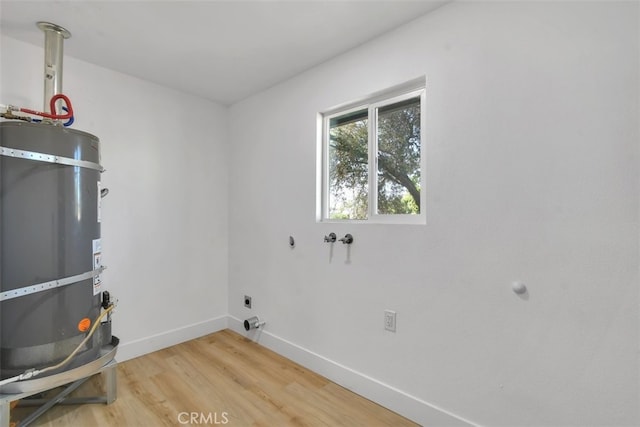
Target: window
(373,158)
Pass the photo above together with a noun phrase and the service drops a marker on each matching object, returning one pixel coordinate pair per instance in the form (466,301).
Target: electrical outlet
(390,320)
(247,301)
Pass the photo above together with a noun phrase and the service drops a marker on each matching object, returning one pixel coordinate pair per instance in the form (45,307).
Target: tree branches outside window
(398,162)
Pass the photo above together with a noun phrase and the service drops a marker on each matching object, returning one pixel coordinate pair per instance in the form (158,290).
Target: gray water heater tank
(49,232)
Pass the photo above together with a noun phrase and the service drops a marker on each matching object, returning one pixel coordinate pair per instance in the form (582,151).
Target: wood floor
(219,379)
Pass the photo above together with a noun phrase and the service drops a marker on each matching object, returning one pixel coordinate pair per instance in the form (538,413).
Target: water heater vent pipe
(54,36)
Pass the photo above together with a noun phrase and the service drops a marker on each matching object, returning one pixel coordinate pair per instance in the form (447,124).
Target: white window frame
(412,89)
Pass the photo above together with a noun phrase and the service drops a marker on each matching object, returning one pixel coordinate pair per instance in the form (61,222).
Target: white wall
(164,222)
(532,175)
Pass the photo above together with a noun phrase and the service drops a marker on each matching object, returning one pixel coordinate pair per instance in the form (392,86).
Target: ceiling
(220,50)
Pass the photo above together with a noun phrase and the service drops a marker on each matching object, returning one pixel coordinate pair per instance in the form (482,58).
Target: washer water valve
(330,238)
(347,239)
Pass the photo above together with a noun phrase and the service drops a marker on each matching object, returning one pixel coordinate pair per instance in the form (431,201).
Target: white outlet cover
(390,320)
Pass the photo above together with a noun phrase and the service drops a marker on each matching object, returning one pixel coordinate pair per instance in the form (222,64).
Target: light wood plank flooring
(220,377)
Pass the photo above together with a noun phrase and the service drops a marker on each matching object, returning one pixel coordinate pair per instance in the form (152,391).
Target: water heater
(52,305)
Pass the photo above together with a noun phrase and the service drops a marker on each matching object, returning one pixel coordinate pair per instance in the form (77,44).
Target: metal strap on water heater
(49,158)
(20,292)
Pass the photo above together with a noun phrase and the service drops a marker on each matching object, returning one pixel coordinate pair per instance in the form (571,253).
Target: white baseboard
(129,350)
(390,397)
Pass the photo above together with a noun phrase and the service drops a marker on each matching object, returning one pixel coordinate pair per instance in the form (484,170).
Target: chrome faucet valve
(330,238)
(347,239)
